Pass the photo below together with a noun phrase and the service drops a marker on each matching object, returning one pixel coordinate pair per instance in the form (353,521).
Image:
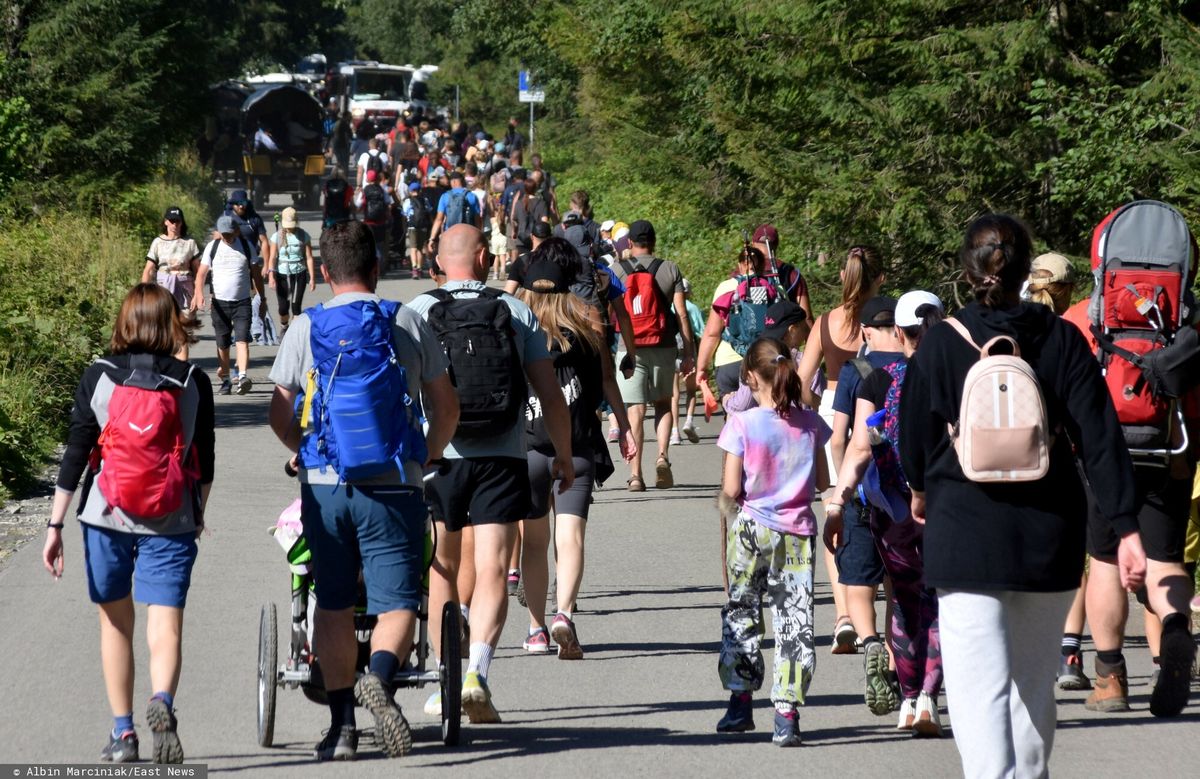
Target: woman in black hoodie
(1006,558)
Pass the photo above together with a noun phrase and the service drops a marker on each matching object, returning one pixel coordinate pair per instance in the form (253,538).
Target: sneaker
(1110,691)
(927,723)
(787,729)
(663,478)
(908,714)
(614,435)
(514,582)
(244,384)
(880,696)
(689,430)
(1071,675)
(226,387)
(416,275)
(391,729)
(739,717)
(163,724)
(675,440)
(1177,651)
(433,704)
(562,630)
(537,642)
(845,638)
(121,748)
(339,744)
(477,700)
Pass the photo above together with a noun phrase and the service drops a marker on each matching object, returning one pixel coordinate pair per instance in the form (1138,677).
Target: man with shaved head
(485,482)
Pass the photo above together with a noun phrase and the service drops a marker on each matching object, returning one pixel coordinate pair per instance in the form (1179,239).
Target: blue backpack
(458,209)
(748,306)
(357,414)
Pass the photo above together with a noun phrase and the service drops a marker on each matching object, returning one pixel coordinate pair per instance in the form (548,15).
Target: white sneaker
(675,438)
(689,430)
(433,704)
(908,715)
(927,723)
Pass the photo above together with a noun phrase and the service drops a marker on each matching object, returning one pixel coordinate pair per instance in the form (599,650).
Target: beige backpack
(1002,434)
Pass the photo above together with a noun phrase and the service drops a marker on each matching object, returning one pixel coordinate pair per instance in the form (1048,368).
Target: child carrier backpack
(748,306)
(649,311)
(884,485)
(147,464)
(1002,433)
(357,414)
(1141,314)
(458,209)
(478,336)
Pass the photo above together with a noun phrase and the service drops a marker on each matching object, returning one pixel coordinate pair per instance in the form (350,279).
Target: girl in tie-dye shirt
(773,471)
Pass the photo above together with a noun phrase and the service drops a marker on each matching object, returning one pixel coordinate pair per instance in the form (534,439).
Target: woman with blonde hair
(1051,282)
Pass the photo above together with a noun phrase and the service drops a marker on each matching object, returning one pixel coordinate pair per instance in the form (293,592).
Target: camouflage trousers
(775,569)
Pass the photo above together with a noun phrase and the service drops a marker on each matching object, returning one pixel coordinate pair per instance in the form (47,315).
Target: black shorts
(479,491)
(231,317)
(1164,505)
(729,378)
(575,501)
(857,557)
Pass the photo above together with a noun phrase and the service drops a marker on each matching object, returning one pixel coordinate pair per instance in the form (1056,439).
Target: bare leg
(637,418)
(535,569)
(116,653)
(223,363)
(1107,605)
(663,419)
(164,635)
(443,581)
(333,635)
(243,359)
(1077,616)
(860,605)
(569,532)
(393,633)
(466,567)
(489,605)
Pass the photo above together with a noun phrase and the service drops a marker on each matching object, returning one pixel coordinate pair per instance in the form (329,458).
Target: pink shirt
(778,465)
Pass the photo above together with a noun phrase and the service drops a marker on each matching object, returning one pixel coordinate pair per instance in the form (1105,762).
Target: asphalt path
(644,701)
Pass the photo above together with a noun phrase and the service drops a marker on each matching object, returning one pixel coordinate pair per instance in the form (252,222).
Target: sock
(566,614)
(384,665)
(1110,658)
(167,698)
(688,423)
(481,658)
(1071,643)
(786,709)
(514,571)
(341,708)
(122,724)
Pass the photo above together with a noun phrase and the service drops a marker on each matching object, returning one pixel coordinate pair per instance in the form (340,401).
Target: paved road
(644,701)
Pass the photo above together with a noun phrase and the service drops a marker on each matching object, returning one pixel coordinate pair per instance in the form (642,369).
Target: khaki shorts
(653,377)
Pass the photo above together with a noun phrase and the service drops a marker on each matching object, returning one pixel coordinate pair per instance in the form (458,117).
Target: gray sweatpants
(1000,655)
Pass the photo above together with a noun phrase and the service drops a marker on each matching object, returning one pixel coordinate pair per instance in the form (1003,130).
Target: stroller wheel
(450,674)
(268,651)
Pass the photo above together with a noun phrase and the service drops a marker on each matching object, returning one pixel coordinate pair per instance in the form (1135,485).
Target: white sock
(481,658)
(688,423)
(466,613)
(565,613)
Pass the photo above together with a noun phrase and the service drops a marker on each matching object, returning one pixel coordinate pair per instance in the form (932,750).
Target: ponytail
(930,315)
(770,360)
(996,258)
(862,269)
(1055,294)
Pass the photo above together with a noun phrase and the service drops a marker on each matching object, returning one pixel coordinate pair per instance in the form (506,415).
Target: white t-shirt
(365,156)
(173,255)
(229,270)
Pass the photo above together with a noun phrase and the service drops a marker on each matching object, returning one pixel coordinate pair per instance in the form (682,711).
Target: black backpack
(335,200)
(422,212)
(375,207)
(246,250)
(375,163)
(478,336)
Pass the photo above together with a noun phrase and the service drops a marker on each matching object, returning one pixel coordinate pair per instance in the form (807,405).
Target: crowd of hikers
(974,463)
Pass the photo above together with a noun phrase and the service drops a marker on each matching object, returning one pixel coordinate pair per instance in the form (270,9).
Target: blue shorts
(378,529)
(158,569)
(857,557)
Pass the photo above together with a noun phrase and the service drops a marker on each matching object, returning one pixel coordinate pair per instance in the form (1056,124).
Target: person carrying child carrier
(1140,323)
(339,199)
(142,436)
(358,356)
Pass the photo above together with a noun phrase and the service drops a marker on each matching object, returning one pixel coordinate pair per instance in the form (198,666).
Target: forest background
(890,122)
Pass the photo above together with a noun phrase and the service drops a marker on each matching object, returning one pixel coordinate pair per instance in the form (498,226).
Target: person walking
(172,261)
(149,417)
(1005,558)
(375,200)
(495,345)
(773,471)
(290,266)
(688,428)
(229,260)
(361,499)
(657,310)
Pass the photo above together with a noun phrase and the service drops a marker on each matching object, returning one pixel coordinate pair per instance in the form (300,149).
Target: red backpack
(649,311)
(147,464)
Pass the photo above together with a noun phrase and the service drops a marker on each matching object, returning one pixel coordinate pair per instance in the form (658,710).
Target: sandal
(845,638)
(664,479)
(636,484)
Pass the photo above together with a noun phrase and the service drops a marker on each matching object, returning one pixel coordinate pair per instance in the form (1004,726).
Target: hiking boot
(927,723)
(787,729)
(391,729)
(477,700)
(1177,651)
(1110,691)
(537,642)
(244,384)
(739,717)
(122,748)
(226,387)
(908,714)
(845,638)
(513,583)
(689,430)
(562,630)
(880,696)
(663,478)
(338,744)
(1071,675)
(163,724)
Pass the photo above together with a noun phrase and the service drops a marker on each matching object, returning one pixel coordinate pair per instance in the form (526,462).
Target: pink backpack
(1002,434)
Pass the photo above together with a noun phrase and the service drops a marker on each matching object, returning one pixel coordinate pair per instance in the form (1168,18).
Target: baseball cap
(287,219)
(173,214)
(606,225)
(372,175)
(780,316)
(238,196)
(879,311)
(1058,266)
(641,232)
(766,233)
(500,146)
(541,231)
(413,186)
(546,276)
(225,225)
(910,302)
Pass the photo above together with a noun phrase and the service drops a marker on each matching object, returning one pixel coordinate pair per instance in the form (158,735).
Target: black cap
(780,316)
(878,312)
(541,230)
(173,214)
(546,276)
(641,232)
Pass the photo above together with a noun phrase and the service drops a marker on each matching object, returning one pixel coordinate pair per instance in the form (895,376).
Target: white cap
(607,225)
(909,302)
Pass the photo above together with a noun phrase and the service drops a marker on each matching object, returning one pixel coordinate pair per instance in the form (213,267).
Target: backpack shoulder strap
(986,349)
(652,269)
(491,293)
(629,267)
(440,295)
(863,366)
(961,329)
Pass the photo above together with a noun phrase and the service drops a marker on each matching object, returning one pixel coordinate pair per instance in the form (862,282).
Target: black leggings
(289,291)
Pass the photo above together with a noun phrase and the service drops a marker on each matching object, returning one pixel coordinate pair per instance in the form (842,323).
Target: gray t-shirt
(417,348)
(531,345)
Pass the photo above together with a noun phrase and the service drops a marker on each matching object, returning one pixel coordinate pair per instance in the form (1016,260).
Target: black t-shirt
(516,271)
(875,388)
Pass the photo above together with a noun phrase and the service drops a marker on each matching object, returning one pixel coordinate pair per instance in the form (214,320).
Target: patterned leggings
(915,642)
(777,567)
